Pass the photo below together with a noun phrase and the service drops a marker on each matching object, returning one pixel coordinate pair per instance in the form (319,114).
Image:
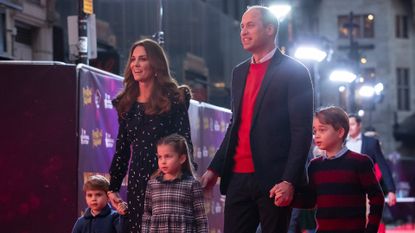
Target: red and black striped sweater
(338,188)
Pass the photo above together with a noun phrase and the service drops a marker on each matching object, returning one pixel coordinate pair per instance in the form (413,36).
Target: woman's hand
(117,202)
(122,208)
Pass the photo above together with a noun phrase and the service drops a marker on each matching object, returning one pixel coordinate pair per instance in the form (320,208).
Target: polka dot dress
(136,147)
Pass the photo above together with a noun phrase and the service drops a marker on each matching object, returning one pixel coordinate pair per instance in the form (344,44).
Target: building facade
(27,29)
(383,52)
(203,44)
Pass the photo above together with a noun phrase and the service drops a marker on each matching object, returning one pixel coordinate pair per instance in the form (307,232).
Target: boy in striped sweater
(340,180)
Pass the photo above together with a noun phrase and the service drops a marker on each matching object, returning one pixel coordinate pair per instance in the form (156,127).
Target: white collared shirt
(354,144)
(265,58)
(339,154)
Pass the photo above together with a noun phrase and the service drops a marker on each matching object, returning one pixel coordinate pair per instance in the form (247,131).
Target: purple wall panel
(209,124)
(38,148)
(59,129)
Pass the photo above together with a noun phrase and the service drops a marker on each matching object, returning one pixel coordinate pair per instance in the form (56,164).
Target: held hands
(207,181)
(117,202)
(282,193)
(391,199)
(122,208)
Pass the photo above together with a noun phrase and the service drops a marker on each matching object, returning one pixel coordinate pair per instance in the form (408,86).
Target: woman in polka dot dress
(150,106)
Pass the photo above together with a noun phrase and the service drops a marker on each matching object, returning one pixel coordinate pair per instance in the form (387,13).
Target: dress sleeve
(119,164)
(374,193)
(148,205)
(199,208)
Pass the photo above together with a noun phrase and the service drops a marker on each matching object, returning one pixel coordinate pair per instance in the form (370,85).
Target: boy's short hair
(334,116)
(356,117)
(97,182)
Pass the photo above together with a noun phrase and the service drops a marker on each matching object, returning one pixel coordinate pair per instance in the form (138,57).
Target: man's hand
(117,202)
(391,199)
(282,193)
(207,181)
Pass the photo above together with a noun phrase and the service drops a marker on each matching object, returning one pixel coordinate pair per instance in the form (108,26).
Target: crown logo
(205,123)
(87,94)
(97,137)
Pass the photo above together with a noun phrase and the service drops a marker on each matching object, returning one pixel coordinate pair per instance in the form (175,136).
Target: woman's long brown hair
(164,85)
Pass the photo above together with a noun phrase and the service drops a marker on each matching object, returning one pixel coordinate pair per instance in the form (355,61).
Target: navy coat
(108,221)
(371,147)
(281,128)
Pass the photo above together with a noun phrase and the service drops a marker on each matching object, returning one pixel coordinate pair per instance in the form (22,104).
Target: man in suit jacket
(360,143)
(265,147)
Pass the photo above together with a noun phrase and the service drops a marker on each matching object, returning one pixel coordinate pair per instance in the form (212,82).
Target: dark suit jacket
(281,127)
(371,147)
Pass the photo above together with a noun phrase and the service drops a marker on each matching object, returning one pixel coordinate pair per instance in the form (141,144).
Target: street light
(371,91)
(281,11)
(348,77)
(316,55)
(378,88)
(367,91)
(310,53)
(373,94)
(342,76)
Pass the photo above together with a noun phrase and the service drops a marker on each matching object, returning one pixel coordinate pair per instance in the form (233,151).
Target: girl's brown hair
(180,146)
(164,85)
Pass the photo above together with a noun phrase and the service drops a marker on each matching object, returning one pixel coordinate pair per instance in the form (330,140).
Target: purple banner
(98,125)
(208,130)
(98,129)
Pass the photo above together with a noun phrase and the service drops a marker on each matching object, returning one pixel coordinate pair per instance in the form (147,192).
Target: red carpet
(407,228)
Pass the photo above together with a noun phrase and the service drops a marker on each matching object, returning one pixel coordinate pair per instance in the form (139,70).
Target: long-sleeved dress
(174,206)
(138,133)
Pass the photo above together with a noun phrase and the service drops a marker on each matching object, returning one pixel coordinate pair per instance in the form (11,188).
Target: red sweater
(243,153)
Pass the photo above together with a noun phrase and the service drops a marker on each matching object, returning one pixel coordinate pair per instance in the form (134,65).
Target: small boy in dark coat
(98,217)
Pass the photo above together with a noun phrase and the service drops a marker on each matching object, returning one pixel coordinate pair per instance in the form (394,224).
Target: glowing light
(363,60)
(370,17)
(378,88)
(310,53)
(342,76)
(281,11)
(367,91)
